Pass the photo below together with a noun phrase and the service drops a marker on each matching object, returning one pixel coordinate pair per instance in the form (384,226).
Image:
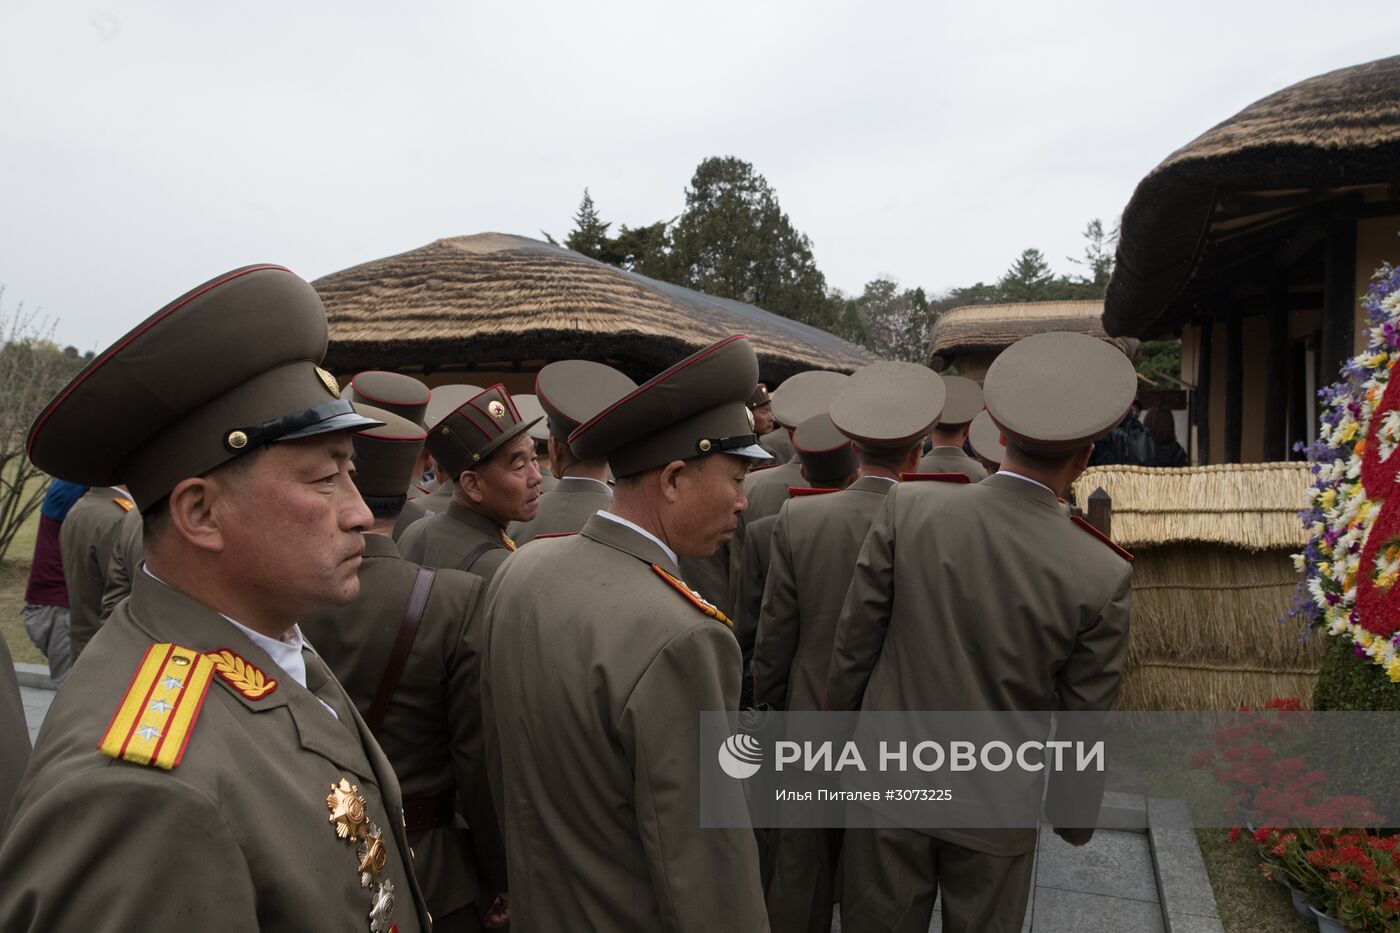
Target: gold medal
(373,856)
(347,810)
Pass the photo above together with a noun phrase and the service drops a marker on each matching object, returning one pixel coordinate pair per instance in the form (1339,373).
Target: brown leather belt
(420,813)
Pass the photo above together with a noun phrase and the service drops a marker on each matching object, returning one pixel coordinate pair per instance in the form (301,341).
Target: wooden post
(1338,297)
(1100,511)
(1276,377)
(1200,400)
(1234,388)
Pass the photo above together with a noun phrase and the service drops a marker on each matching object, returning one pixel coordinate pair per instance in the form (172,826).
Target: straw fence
(1211,578)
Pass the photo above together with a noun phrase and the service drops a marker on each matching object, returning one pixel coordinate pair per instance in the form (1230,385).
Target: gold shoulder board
(152,725)
(695,598)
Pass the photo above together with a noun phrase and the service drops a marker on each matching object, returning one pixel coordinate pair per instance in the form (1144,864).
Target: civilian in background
(46,595)
(1166,450)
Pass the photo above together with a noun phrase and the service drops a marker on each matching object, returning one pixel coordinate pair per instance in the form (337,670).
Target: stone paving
(1145,878)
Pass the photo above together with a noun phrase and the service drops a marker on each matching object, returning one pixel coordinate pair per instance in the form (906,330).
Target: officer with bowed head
(192,755)
(598,631)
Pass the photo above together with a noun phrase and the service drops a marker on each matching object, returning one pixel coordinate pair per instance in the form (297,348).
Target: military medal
(373,856)
(382,908)
(347,810)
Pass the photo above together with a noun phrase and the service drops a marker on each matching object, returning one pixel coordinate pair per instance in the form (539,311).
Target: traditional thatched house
(1254,243)
(494,308)
(971,336)
(1211,579)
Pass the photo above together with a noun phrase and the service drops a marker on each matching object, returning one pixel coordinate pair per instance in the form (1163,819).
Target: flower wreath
(1351,564)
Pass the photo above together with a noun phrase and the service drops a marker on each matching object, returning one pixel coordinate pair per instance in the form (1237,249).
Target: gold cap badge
(497,410)
(329,381)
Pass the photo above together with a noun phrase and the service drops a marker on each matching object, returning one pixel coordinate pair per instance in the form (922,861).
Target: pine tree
(590,234)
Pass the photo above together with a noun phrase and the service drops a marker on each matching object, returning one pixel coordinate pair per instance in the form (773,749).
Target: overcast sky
(145,147)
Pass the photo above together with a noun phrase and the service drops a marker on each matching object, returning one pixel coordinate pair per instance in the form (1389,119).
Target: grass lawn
(1247,903)
(14,573)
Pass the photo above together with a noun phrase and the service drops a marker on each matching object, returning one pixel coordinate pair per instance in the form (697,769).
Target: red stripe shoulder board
(959,478)
(1121,552)
(796,492)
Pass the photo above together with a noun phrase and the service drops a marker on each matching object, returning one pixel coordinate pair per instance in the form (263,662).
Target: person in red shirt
(46,595)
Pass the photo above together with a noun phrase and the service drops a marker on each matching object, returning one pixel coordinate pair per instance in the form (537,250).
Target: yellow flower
(1324,568)
(1328,499)
(1347,432)
(1392,670)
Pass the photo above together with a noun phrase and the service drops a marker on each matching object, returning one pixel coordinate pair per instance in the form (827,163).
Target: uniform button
(412,854)
(430,918)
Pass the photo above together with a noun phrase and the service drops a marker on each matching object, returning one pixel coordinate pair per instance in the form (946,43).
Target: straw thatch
(492,299)
(972,335)
(1258,175)
(1212,577)
(1253,506)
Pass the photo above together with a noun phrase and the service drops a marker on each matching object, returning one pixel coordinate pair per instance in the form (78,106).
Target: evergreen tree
(590,234)
(1028,279)
(733,240)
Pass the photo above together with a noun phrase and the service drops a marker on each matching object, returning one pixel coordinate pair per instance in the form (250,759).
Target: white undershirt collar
(675,561)
(1029,480)
(285,652)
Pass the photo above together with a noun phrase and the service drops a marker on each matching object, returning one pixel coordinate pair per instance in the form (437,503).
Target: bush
(1351,683)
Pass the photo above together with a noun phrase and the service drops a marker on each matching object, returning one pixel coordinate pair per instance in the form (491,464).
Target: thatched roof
(1239,192)
(1246,505)
(489,299)
(992,328)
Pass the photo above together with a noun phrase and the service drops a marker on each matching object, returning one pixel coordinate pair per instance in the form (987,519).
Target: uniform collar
(583,484)
(459,512)
(876,484)
(1023,486)
(380,546)
(629,537)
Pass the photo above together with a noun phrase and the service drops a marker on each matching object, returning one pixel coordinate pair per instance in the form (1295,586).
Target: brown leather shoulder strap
(476,553)
(398,655)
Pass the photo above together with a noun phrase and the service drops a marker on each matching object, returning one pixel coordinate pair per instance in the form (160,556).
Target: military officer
(207,771)
(530,409)
(828,464)
(14,732)
(490,459)
(445,399)
(948,643)
(122,562)
(570,393)
(984,437)
(947,455)
(761,404)
(408,652)
(886,409)
(600,660)
(85,541)
(400,395)
(797,399)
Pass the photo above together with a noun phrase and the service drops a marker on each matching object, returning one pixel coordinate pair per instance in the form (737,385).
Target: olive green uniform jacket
(564,509)
(236,837)
(811,559)
(981,597)
(457,539)
(718,576)
(597,669)
(125,559)
(14,733)
(952,460)
(753,573)
(86,540)
(432,728)
(414,509)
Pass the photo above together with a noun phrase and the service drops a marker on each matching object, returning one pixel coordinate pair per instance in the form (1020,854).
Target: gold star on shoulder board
(347,810)
(373,856)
